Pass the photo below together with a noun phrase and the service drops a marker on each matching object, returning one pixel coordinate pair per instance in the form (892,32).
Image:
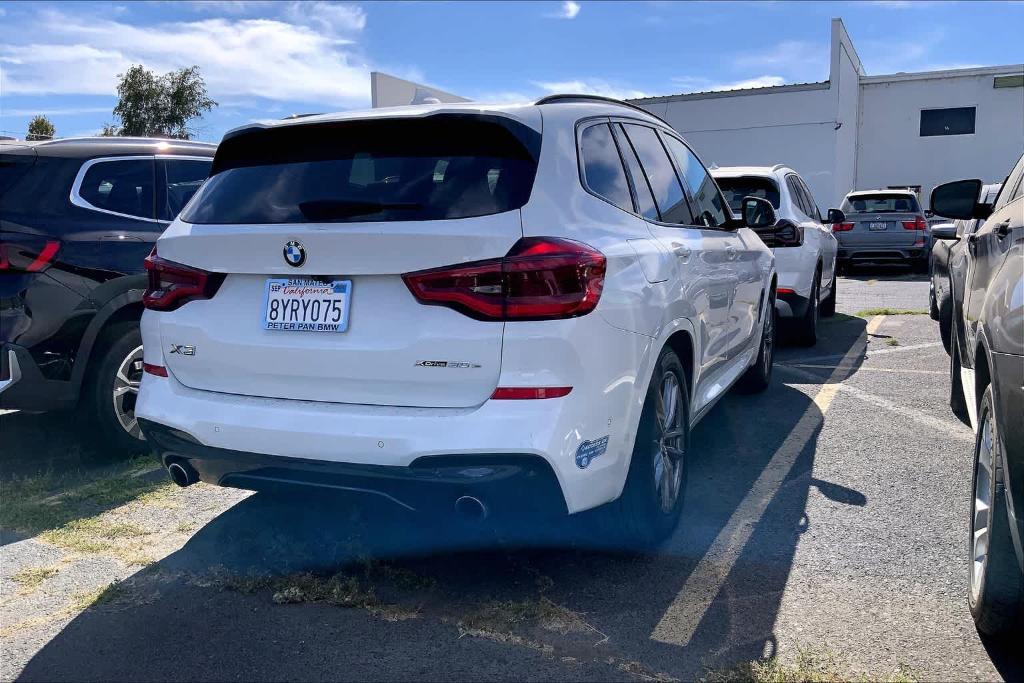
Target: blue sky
(271,59)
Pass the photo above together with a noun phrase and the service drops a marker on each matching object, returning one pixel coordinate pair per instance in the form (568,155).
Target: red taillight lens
(527,393)
(172,285)
(918,223)
(541,278)
(26,253)
(783,290)
(842,227)
(157,370)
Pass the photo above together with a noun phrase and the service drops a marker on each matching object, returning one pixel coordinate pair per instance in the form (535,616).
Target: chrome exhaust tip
(471,509)
(182,474)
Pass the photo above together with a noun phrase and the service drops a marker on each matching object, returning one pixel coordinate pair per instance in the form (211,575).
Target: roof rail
(779,167)
(550,99)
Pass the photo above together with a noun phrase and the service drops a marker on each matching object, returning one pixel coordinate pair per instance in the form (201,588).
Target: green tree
(160,106)
(40,128)
(109,130)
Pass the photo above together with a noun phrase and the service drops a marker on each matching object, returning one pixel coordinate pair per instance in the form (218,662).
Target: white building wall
(794,126)
(891,150)
(845,74)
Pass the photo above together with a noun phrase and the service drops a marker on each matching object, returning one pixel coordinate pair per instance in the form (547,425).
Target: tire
(945,318)
(956,389)
(647,513)
(995,583)
(759,375)
(117,366)
(805,331)
(933,309)
(828,306)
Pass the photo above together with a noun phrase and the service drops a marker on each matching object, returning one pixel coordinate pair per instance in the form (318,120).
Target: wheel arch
(125,306)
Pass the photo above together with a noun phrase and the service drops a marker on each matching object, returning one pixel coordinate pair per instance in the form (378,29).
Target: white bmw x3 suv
(805,248)
(506,309)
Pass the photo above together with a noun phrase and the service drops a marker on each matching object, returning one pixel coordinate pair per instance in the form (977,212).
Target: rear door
(340,211)
(881,220)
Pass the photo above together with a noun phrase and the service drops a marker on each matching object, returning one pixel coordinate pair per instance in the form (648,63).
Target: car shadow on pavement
(557,609)
(885,272)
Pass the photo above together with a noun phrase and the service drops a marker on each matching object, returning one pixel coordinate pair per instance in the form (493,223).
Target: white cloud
(266,58)
(57,111)
(568,10)
(797,59)
(590,87)
(694,84)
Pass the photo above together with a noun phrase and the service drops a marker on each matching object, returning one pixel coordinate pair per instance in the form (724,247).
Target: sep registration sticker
(304,305)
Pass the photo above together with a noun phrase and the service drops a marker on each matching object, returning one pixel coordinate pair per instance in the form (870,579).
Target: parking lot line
(862,367)
(875,352)
(702,587)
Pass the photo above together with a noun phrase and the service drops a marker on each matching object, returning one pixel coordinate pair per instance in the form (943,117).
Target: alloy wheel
(669,442)
(126,391)
(981,509)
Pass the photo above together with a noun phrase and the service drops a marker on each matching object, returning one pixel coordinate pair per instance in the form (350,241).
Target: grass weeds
(871,312)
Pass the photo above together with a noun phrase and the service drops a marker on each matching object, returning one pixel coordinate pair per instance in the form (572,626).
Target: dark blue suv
(77,218)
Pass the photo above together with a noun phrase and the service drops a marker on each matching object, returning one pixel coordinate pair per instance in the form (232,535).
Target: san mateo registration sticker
(307,305)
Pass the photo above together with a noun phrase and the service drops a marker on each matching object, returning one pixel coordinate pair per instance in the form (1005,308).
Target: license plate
(878,226)
(307,305)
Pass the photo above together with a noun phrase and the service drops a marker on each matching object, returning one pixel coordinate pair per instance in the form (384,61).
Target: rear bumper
(24,387)
(396,439)
(513,485)
(882,254)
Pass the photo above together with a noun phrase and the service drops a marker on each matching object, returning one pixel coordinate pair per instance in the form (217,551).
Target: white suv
(805,249)
(509,310)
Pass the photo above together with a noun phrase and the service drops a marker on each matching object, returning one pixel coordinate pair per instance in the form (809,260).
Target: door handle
(681,250)
(1003,229)
(730,253)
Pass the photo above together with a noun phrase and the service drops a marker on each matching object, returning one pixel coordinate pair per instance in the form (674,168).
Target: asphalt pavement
(828,513)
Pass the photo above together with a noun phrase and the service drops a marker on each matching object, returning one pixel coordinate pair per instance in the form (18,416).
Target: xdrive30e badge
(445,364)
(294,253)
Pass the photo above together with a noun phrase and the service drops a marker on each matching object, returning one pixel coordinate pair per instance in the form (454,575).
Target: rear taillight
(172,285)
(541,278)
(918,223)
(842,227)
(26,253)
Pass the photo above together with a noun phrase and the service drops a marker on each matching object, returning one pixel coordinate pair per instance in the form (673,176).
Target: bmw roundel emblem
(294,253)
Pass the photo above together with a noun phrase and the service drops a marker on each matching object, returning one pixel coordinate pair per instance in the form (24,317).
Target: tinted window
(121,186)
(955,121)
(881,203)
(184,177)
(668,193)
(797,193)
(707,200)
(735,189)
(602,167)
(12,167)
(644,199)
(812,205)
(438,167)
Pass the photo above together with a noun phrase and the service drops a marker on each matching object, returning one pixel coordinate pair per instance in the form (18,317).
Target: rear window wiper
(333,209)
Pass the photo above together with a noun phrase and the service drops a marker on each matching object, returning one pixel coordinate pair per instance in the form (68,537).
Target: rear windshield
(735,189)
(881,203)
(442,166)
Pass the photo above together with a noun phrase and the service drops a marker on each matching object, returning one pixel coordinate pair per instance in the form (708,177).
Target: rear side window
(182,179)
(668,193)
(881,203)
(123,186)
(707,200)
(602,166)
(796,191)
(735,189)
(644,199)
(440,167)
(812,206)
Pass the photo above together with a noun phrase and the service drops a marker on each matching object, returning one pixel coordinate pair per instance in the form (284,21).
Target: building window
(955,121)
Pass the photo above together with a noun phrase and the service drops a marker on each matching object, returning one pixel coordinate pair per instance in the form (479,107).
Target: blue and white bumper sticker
(589,450)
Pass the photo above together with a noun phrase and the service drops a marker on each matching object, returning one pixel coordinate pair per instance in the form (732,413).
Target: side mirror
(959,199)
(758,213)
(835,216)
(944,231)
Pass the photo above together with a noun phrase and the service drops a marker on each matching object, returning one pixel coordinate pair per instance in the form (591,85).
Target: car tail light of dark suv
(918,223)
(541,278)
(26,253)
(172,285)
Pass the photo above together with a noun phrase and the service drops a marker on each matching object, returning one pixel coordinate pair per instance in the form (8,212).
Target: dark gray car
(987,378)
(883,226)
